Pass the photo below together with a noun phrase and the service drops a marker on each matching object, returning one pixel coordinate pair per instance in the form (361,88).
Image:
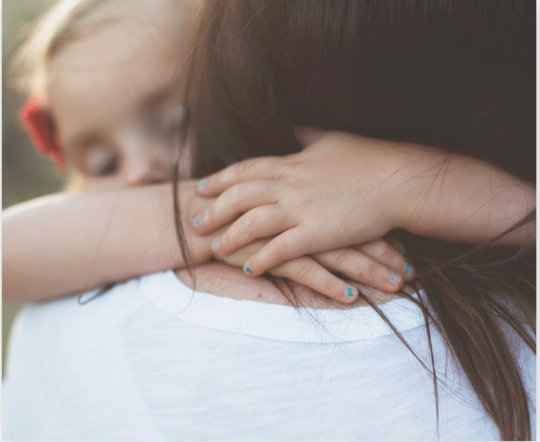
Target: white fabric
(151,360)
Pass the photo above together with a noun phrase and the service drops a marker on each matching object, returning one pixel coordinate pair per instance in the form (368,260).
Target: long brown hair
(452,74)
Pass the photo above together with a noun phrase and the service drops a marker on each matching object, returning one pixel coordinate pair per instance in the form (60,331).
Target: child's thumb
(308,135)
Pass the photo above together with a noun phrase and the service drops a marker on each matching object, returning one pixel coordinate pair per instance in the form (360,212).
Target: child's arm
(345,189)
(68,243)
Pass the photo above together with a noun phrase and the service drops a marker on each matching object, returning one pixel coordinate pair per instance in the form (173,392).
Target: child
(99,75)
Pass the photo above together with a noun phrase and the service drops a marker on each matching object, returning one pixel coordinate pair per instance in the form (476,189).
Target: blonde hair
(66,22)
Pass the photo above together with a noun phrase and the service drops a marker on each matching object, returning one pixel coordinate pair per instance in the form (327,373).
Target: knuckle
(276,252)
(378,248)
(270,163)
(215,216)
(229,239)
(327,285)
(238,168)
(265,162)
(235,193)
(369,271)
(218,179)
(306,272)
(342,256)
(387,253)
(273,166)
(250,222)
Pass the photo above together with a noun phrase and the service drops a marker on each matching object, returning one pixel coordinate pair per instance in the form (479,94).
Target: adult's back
(153,360)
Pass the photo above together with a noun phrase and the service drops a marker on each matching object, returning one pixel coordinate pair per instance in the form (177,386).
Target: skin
(116,116)
(224,280)
(359,189)
(110,95)
(77,242)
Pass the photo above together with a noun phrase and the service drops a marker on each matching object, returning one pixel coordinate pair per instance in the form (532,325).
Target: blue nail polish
(408,269)
(401,248)
(216,246)
(202,184)
(248,270)
(349,292)
(197,222)
(393,277)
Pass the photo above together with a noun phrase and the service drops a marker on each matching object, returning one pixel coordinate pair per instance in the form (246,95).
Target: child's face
(117,116)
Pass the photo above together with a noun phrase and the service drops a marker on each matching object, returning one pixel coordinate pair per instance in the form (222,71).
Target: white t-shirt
(152,360)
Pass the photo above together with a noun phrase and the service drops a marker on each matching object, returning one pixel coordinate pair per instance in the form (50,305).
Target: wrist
(412,172)
(418,177)
(459,198)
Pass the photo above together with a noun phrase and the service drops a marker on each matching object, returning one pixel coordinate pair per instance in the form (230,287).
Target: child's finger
(239,257)
(382,252)
(234,201)
(260,222)
(252,169)
(395,243)
(288,245)
(308,272)
(359,267)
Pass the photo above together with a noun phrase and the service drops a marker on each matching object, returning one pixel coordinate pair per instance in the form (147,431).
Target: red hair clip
(38,123)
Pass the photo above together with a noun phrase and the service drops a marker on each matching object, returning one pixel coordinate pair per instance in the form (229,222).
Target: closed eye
(101,161)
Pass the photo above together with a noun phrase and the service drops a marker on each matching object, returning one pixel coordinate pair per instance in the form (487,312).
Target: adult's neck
(222,280)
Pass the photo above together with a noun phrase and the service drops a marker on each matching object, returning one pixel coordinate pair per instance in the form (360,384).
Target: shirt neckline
(279,322)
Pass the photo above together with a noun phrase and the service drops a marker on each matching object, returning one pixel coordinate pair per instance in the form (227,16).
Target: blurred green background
(25,175)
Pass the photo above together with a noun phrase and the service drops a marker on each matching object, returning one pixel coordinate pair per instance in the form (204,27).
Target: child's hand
(338,192)
(375,264)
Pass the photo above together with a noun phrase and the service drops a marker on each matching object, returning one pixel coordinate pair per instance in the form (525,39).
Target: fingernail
(350,292)
(197,222)
(247,269)
(394,278)
(216,246)
(401,247)
(408,269)
(202,184)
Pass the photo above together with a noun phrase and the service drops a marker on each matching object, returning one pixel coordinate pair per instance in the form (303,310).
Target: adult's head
(440,73)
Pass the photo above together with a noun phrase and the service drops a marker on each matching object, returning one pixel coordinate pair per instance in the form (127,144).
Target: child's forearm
(462,199)
(68,243)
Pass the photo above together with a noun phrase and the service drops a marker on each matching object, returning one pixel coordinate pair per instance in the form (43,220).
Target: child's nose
(138,170)
(145,159)
(144,168)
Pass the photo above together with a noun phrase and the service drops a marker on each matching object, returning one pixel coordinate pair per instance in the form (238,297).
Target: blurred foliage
(25,175)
